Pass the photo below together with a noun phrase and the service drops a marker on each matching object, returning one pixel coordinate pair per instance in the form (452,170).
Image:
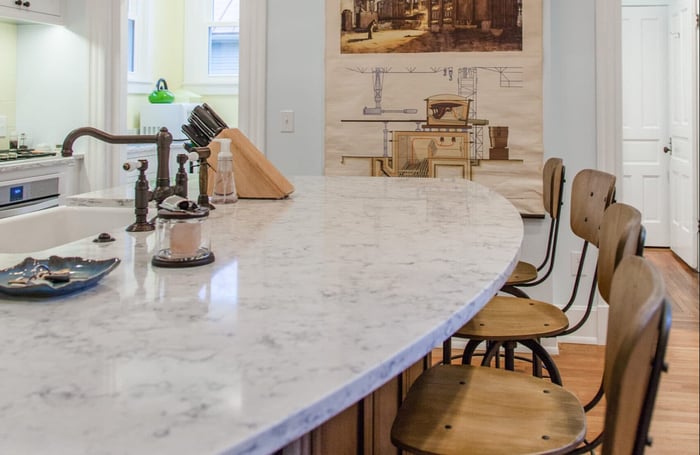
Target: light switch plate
(287,121)
(3,125)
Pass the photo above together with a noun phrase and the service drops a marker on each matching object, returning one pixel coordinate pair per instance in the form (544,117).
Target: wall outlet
(3,125)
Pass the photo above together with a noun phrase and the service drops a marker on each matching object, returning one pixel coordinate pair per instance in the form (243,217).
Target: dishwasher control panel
(14,193)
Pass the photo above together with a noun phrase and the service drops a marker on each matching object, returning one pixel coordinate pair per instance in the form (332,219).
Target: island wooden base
(365,427)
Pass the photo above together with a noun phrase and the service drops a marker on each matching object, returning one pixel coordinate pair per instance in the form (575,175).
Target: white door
(683,99)
(645,117)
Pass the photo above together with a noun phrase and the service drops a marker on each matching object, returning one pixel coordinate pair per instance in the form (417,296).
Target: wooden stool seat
(463,409)
(460,409)
(524,272)
(507,318)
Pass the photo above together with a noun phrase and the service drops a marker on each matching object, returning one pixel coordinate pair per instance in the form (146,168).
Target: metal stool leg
(492,350)
(540,353)
(514,291)
(536,364)
(510,354)
(469,351)
(447,351)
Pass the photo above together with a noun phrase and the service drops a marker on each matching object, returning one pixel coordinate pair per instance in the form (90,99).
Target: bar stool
(592,192)
(508,321)
(526,274)
(464,409)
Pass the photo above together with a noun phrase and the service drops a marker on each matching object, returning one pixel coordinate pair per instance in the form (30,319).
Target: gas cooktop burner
(11,155)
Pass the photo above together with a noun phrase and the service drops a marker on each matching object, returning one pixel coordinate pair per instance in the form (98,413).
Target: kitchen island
(313,303)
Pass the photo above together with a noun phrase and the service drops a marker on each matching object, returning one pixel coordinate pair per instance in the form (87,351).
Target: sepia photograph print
(405,26)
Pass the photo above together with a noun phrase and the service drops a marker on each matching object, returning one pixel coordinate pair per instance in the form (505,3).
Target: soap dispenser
(224,183)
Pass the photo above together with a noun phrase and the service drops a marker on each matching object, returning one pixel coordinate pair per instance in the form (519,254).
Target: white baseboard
(550,344)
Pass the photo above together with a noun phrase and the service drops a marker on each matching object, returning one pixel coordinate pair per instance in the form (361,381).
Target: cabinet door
(42,11)
(366,426)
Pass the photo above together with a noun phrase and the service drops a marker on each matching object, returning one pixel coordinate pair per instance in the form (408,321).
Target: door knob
(27,4)
(18,2)
(666,149)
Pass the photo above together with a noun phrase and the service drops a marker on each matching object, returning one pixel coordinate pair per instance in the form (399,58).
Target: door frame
(608,23)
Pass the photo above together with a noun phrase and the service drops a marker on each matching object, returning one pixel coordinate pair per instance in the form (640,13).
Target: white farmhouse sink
(53,227)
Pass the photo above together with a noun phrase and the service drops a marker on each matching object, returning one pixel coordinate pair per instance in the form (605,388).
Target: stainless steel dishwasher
(18,197)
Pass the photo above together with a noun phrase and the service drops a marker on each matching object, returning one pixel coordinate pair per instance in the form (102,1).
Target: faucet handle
(134,165)
(142,196)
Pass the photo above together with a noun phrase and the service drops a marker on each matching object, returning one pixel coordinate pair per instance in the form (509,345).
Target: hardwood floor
(675,427)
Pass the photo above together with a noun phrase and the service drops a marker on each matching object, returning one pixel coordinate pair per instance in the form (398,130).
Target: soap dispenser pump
(224,184)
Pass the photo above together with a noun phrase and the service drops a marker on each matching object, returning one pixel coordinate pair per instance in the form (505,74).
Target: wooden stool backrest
(638,326)
(552,183)
(619,237)
(591,193)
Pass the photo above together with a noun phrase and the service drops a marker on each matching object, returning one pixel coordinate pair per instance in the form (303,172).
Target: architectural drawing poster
(437,88)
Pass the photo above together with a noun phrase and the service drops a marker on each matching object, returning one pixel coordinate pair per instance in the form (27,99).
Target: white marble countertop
(120,196)
(38,162)
(312,303)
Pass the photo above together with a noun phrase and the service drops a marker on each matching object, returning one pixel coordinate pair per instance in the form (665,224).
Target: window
(212,30)
(130,44)
(138,46)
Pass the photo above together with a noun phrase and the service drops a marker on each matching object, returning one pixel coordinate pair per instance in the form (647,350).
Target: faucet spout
(163,139)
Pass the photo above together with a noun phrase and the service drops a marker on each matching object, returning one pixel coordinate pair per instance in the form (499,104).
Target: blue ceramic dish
(33,277)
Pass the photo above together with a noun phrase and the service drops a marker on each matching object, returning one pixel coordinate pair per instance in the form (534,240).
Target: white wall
(295,81)
(52,84)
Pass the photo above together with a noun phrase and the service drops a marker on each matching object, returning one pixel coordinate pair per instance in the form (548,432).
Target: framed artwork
(406,78)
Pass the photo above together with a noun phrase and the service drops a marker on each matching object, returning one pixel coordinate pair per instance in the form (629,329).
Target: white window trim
(196,77)
(253,71)
(139,81)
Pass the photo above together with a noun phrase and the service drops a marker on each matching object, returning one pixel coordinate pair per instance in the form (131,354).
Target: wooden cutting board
(256,177)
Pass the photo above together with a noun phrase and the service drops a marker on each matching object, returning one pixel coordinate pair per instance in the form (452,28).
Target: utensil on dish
(53,276)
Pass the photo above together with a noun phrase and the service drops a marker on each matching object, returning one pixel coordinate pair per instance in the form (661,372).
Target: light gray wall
(570,120)
(296,82)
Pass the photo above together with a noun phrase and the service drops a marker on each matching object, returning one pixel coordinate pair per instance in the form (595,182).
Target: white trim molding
(253,71)
(142,13)
(608,47)
(107,90)
(198,20)
(608,24)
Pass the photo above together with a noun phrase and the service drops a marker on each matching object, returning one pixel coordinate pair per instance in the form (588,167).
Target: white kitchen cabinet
(39,11)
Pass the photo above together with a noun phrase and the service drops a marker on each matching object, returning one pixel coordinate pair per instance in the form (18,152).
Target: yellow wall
(8,78)
(168,63)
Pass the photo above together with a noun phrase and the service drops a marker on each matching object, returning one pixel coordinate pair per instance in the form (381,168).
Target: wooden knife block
(256,177)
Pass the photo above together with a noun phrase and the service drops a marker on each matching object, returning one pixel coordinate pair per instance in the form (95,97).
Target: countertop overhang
(38,162)
(312,303)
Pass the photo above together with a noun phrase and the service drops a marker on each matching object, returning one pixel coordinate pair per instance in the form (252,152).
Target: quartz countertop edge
(39,162)
(312,303)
